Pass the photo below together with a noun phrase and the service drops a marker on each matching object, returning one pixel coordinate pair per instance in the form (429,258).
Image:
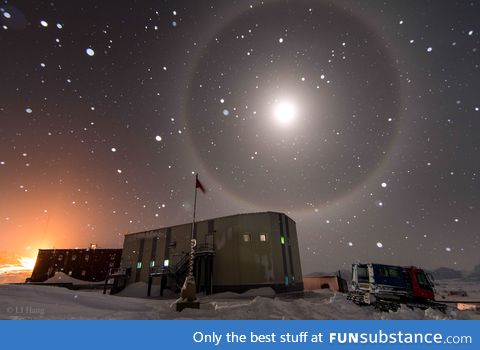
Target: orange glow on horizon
(24,264)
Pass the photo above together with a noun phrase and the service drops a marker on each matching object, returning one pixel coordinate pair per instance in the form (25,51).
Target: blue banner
(202,335)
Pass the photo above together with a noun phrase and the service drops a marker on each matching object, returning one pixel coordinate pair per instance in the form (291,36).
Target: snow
(379,244)
(263,291)
(138,290)
(47,302)
(90,51)
(44,24)
(158,138)
(462,290)
(7,14)
(61,277)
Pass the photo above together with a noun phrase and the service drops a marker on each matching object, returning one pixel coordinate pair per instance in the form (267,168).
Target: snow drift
(48,302)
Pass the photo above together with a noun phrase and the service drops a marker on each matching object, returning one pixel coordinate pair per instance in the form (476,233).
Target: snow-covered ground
(47,302)
(60,277)
(457,289)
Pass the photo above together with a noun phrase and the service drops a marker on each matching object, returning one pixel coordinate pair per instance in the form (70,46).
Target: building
(233,253)
(332,282)
(91,264)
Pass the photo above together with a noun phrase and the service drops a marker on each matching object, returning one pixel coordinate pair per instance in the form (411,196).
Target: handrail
(201,248)
(204,248)
(159,269)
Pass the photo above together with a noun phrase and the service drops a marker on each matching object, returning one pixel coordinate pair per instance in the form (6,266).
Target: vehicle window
(362,273)
(395,273)
(422,280)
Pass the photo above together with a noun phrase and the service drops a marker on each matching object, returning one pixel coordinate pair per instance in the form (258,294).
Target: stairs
(119,276)
(174,276)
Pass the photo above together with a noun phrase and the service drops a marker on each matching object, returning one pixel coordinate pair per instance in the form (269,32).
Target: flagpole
(193,242)
(194,205)
(188,291)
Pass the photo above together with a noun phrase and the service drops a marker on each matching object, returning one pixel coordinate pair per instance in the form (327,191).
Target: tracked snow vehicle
(387,287)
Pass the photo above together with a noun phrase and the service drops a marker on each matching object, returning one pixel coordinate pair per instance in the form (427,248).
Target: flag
(200,186)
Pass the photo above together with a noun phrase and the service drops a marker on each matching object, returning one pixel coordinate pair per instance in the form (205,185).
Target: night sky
(359,119)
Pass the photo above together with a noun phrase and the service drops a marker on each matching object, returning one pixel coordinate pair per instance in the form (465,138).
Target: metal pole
(194,204)
(193,242)
(187,294)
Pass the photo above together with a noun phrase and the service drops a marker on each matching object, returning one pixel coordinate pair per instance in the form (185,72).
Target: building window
(166,262)
(247,237)
(60,257)
(263,237)
(152,263)
(74,257)
(84,272)
(282,239)
(139,264)
(87,257)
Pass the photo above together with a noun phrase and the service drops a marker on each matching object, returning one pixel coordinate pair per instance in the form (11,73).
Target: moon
(297,136)
(284,112)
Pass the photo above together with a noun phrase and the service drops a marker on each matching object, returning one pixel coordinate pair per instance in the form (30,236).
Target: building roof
(206,220)
(78,249)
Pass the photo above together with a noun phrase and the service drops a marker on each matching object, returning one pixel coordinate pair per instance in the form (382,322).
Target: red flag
(200,186)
